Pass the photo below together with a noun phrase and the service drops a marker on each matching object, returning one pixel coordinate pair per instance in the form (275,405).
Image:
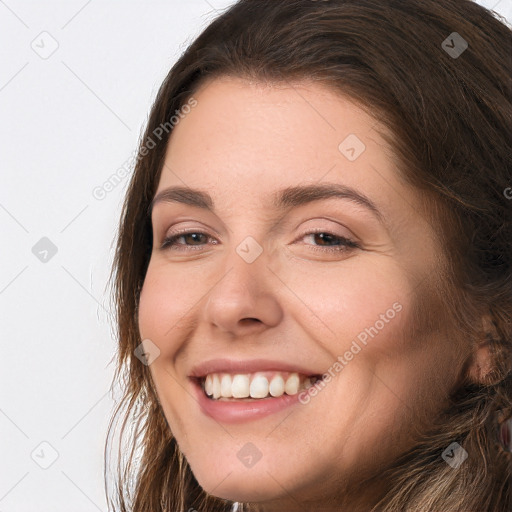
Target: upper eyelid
(206,226)
(271,231)
(308,231)
(275,228)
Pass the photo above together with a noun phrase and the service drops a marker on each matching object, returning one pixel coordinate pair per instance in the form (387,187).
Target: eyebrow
(289,197)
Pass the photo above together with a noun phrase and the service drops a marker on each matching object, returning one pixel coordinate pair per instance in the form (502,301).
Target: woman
(313,270)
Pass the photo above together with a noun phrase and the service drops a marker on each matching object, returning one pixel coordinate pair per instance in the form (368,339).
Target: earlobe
(482,364)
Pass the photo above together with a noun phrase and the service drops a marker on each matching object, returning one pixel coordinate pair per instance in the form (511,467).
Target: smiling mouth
(255,386)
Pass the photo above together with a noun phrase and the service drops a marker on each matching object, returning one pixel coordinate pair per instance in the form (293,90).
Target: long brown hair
(451,120)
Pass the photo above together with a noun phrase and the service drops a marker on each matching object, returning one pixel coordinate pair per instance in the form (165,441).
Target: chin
(245,486)
(248,493)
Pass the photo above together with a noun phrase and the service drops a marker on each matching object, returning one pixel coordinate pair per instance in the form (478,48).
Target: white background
(67,123)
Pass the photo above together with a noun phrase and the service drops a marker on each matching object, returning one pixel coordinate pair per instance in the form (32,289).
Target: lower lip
(241,412)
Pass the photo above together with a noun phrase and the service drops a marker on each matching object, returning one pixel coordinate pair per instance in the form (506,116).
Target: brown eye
(330,242)
(196,238)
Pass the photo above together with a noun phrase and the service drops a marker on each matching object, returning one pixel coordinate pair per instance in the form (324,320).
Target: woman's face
(264,289)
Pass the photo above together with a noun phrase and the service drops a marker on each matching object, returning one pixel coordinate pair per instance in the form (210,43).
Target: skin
(297,302)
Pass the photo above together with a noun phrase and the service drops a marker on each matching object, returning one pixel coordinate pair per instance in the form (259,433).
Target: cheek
(163,302)
(361,298)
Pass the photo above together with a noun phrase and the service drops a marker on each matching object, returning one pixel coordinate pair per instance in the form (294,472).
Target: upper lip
(247,366)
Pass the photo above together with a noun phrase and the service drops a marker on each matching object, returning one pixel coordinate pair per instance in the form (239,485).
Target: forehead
(263,136)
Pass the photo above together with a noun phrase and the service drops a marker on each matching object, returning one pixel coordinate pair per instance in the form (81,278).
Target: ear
(482,365)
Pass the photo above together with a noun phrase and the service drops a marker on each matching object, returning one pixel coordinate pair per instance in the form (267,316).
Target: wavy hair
(450,117)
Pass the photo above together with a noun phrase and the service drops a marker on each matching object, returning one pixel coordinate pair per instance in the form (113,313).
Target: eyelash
(345,243)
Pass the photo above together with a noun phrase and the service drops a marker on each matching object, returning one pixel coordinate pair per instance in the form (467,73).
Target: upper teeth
(255,385)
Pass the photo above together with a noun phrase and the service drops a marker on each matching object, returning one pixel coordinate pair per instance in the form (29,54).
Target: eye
(170,242)
(198,238)
(341,243)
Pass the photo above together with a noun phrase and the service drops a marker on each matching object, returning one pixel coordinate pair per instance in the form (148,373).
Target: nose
(244,300)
